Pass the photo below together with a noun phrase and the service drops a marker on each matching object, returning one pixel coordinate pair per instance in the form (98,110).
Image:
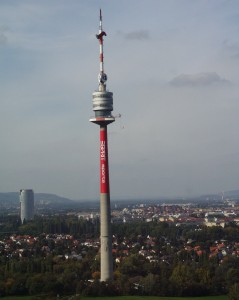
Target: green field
(126,298)
(157,298)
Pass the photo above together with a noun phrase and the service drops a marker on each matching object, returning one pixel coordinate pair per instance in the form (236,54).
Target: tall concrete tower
(102,106)
(26,205)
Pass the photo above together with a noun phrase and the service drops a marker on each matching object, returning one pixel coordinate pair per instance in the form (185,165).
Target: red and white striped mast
(100,37)
(102,106)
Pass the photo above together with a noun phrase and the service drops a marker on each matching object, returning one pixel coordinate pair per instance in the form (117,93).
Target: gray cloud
(3,37)
(137,35)
(232,48)
(199,79)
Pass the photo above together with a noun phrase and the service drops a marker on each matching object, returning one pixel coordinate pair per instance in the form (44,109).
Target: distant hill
(9,199)
(45,200)
(12,199)
(234,193)
(51,198)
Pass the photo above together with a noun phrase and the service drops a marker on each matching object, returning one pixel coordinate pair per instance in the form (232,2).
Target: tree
(35,284)
(96,275)
(185,281)
(2,289)
(132,265)
(150,285)
(234,292)
(232,276)
(19,285)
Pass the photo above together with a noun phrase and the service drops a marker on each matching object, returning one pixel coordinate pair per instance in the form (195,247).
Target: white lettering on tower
(102,150)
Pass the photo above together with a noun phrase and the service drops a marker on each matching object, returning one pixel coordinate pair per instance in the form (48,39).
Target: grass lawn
(127,298)
(17,298)
(156,298)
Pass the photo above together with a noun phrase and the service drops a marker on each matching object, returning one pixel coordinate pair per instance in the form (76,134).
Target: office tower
(26,205)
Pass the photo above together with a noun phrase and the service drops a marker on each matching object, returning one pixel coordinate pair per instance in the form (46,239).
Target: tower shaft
(105,212)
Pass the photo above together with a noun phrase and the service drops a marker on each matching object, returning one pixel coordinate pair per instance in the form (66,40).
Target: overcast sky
(173,66)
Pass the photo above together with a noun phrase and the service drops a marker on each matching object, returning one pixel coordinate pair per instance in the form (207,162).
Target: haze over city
(173,67)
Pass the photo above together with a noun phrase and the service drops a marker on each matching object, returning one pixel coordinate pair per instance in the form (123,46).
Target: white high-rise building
(27,205)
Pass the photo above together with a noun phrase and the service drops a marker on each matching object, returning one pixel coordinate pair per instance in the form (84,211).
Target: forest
(59,255)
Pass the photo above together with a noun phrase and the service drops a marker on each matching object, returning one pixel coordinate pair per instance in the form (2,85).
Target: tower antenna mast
(102,78)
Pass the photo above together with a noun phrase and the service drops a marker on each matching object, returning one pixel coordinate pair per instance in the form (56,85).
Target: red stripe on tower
(104,168)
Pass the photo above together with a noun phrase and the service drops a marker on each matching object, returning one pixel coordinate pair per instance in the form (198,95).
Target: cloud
(232,48)
(137,35)
(199,79)
(3,37)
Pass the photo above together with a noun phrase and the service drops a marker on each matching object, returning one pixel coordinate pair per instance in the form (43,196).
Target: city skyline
(173,67)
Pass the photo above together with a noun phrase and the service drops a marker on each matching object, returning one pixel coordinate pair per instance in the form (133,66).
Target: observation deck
(102,120)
